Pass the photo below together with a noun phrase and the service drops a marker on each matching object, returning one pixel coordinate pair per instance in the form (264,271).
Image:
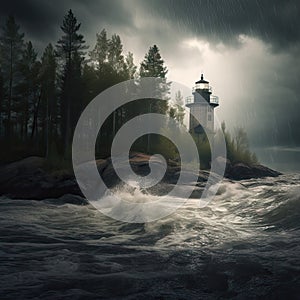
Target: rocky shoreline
(29,179)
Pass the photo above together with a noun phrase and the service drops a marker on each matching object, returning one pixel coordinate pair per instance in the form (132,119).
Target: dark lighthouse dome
(201,80)
(202,87)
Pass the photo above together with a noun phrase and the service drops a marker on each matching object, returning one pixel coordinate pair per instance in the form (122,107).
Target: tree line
(41,98)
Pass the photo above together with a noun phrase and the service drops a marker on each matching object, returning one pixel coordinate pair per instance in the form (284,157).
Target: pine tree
(77,90)
(1,102)
(29,89)
(130,70)
(103,70)
(11,47)
(108,60)
(71,42)
(70,48)
(49,118)
(99,55)
(153,66)
(177,111)
(108,66)
(115,56)
(130,66)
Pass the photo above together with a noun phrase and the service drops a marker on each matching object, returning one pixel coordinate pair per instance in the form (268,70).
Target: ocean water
(244,245)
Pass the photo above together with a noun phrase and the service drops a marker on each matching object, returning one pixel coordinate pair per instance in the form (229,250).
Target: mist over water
(245,243)
(284,158)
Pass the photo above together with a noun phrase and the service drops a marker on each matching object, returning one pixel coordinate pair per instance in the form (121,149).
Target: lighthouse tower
(202,105)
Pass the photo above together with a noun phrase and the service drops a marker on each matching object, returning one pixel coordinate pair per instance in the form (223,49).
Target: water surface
(244,245)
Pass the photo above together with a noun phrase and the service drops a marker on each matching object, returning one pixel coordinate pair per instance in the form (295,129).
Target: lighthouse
(202,105)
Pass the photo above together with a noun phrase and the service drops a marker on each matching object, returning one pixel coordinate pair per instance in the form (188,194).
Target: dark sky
(248,49)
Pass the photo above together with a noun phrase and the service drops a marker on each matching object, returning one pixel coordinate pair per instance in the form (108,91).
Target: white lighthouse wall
(210,118)
(204,115)
(200,112)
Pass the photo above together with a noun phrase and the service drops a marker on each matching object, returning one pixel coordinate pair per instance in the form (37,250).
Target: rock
(263,171)
(68,198)
(28,179)
(242,171)
(239,171)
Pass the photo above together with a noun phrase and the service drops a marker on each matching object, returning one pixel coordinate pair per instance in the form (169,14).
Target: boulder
(26,179)
(242,171)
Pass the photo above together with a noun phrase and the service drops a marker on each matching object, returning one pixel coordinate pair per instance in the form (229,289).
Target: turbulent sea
(244,245)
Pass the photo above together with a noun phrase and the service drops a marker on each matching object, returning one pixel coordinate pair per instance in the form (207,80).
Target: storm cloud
(276,22)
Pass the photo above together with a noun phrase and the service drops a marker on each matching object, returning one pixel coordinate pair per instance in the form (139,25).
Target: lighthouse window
(209,117)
